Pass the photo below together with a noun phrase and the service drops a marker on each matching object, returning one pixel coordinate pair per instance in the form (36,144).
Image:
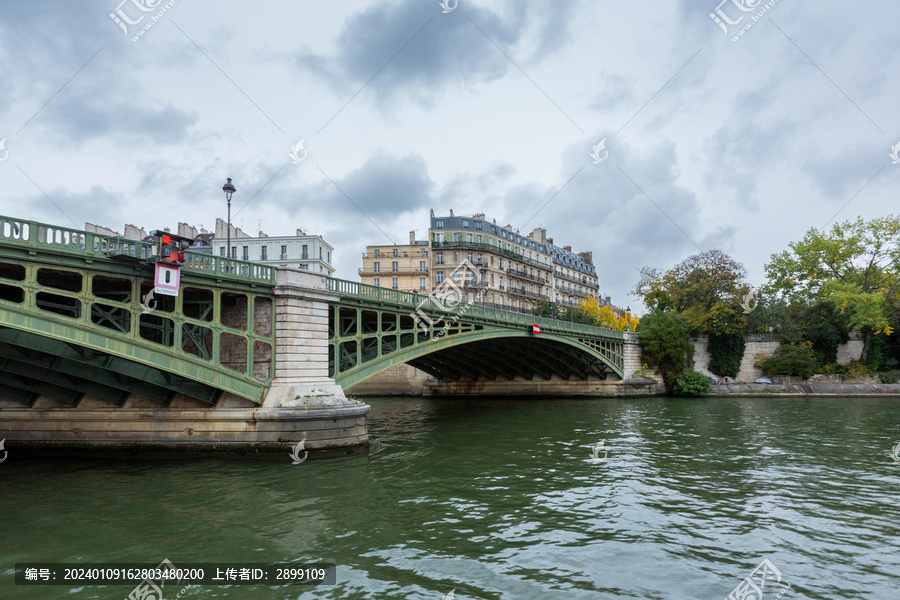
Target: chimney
(549,240)
(412,238)
(568,248)
(608,300)
(478,216)
(588,256)
(432,213)
(451,212)
(539,235)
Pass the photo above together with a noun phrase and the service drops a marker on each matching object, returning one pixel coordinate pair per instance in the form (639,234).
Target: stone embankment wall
(762,345)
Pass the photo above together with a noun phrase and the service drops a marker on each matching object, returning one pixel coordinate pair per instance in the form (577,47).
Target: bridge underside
(34,366)
(529,358)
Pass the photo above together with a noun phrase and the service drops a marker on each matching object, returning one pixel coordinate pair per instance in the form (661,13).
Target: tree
(726,351)
(665,344)
(856,265)
(708,289)
(605,316)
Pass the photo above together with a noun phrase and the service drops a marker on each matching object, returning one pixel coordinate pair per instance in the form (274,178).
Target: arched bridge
(72,324)
(374,328)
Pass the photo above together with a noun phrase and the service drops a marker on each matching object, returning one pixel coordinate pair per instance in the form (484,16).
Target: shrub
(726,351)
(691,384)
(831,369)
(665,344)
(857,369)
(644,371)
(790,359)
(889,377)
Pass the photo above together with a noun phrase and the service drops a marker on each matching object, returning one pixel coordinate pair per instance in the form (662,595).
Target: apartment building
(303,250)
(515,270)
(403,267)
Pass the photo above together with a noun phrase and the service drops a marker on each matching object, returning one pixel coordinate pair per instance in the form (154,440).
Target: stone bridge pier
(301,343)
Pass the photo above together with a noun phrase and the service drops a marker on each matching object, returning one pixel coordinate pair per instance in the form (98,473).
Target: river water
(500,499)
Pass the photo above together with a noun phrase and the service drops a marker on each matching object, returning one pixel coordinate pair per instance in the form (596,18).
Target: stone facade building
(402,267)
(303,250)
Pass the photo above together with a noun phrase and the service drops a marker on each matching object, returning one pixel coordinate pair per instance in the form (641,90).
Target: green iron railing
(464,309)
(32,234)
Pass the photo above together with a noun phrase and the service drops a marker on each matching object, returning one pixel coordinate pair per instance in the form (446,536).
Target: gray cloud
(449,50)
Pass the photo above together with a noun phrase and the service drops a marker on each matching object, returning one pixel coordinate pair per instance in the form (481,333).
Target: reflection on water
(500,499)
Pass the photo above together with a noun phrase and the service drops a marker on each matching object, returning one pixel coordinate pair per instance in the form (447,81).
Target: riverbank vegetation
(819,290)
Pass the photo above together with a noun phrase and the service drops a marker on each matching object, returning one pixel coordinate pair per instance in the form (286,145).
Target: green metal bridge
(72,323)
(374,328)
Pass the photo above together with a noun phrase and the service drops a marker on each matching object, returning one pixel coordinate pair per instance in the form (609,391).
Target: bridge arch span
(490,354)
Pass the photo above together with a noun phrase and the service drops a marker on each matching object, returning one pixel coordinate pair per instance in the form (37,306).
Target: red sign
(536,329)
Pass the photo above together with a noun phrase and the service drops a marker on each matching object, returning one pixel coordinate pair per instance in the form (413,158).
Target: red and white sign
(536,329)
(167,279)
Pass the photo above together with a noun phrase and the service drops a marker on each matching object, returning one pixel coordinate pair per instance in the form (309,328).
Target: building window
(222,251)
(422,266)
(320,254)
(283,252)
(246,253)
(455,236)
(480,258)
(421,283)
(469,237)
(456,275)
(470,257)
(377,282)
(377,268)
(501,264)
(304,251)
(264,253)
(465,223)
(439,237)
(377,252)
(440,277)
(234,252)
(456,257)
(329,257)
(394,266)
(440,258)
(423,252)
(439,223)
(477,224)
(395,253)
(394,283)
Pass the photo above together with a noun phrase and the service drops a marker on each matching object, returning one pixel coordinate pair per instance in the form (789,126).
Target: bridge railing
(22,232)
(462,310)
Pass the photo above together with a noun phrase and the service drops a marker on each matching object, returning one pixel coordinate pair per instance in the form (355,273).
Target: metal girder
(13,393)
(110,379)
(121,366)
(63,380)
(40,388)
(157,358)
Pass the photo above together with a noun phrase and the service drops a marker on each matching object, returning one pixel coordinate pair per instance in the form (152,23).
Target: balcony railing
(407,271)
(489,248)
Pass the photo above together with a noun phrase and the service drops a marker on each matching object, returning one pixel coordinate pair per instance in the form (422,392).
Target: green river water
(500,499)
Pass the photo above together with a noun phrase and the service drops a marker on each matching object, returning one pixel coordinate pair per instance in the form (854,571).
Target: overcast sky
(492,107)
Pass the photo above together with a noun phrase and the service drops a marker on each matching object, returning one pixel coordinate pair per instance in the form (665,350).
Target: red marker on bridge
(536,329)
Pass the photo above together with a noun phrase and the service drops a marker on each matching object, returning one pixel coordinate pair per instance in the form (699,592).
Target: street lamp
(571,310)
(628,312)
(229,190)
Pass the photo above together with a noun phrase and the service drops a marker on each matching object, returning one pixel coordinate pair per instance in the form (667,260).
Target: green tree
(708,289)
(856,265)
(790,359)
(665,344)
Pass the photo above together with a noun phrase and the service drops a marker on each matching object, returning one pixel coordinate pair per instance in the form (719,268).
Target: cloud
(449,49)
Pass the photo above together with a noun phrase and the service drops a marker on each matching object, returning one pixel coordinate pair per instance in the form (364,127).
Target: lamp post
(229,190)
(628,312)
(571,310)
